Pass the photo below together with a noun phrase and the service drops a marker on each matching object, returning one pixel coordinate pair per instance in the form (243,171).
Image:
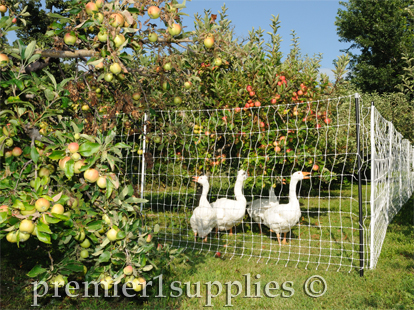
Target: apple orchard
(62,180)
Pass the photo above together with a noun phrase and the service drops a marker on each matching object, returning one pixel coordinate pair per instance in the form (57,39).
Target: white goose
(257,207)
(282,218)
(231,212)
(204,217)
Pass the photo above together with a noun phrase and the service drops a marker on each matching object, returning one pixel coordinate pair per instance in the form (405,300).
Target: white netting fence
(271,143)
(392,176)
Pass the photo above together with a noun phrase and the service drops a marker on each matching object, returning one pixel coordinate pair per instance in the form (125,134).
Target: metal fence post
(143,159)
(361,232)
(372,199)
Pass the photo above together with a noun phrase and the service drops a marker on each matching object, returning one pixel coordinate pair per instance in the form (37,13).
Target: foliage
(381,31)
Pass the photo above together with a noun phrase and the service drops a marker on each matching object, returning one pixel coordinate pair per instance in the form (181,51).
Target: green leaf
(104,257)
(89,148)
(120,235)
(49,94)
(124,193)
(29,50)
(3,217)
(147,268)
(95,62)
(135,200)
(70,168)
(74,266)
(94,226)
(57,155)
(122,145)
(43,237)
(19,84)
(52,78)
(156,228)
(34,155)
(41,227)
(36,270)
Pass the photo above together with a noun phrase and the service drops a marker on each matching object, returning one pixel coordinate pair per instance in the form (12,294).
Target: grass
(328,233)
(389,286)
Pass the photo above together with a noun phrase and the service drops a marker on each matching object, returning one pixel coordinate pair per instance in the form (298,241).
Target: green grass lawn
(389,286)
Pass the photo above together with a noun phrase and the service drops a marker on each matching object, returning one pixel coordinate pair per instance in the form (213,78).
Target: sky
(313,22)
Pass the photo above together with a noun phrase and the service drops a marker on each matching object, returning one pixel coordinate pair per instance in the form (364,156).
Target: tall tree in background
(381,31)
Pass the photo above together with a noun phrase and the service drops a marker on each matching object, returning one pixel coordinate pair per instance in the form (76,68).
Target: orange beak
(195,179)
(305,175)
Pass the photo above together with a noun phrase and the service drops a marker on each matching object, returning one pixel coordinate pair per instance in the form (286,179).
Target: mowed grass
(389,286)
(327,235)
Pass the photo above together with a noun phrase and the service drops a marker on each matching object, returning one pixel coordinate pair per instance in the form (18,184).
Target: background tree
(381,31)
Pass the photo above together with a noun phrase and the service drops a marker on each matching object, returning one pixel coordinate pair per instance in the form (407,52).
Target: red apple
(175,29)
(315,167)
(257,104)
(249,88)
(62,162)
(116,20)
(318,126)
(3,8)
(17,151)
(209,42)
(262,124)
(273,101)
(73,147)
(14,20)
(70,38)
(128,270)
(300,93)
(91,175)
(282,78)
(42,205)
(218,254)
(90,8)
(154,12)
(252,93)
(4,60)
(247,105)
(327,121)
(236,110)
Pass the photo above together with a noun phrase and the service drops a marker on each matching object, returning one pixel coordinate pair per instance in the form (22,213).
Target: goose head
(300,175)
(203,180)
(241,175)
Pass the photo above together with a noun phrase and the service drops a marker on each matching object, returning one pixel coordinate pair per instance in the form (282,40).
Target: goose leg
(216,232)
(260,228)
(278,238)
(195,236)
(284,239)
(231,232)
(271,230)
(205,239)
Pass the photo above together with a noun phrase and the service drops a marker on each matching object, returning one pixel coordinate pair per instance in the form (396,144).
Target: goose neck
(238,190)
(292,191)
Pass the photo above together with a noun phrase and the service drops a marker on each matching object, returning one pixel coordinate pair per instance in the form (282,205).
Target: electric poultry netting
(270,143)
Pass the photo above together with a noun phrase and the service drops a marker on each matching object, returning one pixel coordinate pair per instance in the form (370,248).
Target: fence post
(361,232)
(372,202)
(143,159)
